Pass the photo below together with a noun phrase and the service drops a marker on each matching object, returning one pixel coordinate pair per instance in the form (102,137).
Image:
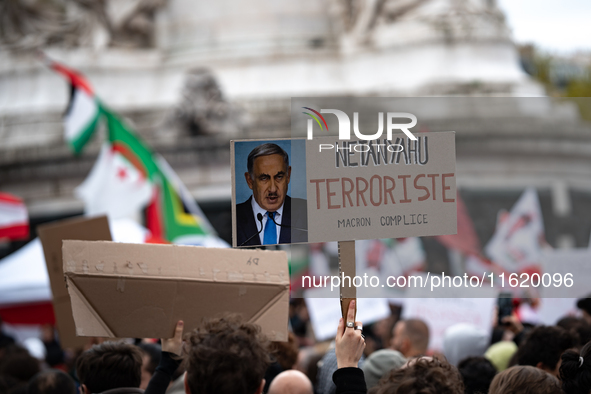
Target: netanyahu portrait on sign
(269,216)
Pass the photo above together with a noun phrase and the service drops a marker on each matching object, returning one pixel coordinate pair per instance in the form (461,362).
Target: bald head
(291,382)
(410,337)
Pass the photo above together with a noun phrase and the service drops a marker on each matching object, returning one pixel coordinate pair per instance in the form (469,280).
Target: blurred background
(187,76)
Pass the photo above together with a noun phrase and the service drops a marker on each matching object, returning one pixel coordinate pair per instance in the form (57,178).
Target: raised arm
(169,362)
(349,346)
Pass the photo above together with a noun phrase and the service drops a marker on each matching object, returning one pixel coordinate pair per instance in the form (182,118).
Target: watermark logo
(345,124)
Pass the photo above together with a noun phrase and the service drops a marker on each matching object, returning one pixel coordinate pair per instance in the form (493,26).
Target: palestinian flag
(14,219)
(83,112)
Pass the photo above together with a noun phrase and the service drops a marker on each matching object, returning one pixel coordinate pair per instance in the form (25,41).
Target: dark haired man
(108,366)
(543,347)
(422,375)
(115,367)
(52,381)
(226,356)
(266,217)
(151,354)
(524,380)
(477,373)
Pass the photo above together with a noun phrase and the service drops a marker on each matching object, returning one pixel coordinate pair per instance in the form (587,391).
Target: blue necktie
(270,234)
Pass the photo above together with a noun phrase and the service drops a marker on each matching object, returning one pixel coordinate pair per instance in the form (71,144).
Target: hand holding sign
(350,343)
(174,344)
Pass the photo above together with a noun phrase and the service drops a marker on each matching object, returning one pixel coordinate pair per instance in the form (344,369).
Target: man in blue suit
(266,217)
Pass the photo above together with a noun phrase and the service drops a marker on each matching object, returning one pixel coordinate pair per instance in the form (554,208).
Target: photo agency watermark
(345,124)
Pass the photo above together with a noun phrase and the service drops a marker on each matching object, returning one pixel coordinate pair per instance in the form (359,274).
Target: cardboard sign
(141,291)
(354,189)
(51,236)
(368,190)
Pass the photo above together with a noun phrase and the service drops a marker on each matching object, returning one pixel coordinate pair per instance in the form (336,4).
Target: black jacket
(349,381)
(293,229)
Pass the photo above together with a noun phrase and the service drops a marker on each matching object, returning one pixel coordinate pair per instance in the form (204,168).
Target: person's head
(151,353)
(226,356)
(8,384)
(19,364)
(379,363)
(524,380)
(477,373)
(52,381)
(268,175)
(575,371)
(422,375)
(109,365)
(543,347)
(584,304)
(291,382)
(464,340)
(410,337)
(569,322)
(285,353)
(577,325)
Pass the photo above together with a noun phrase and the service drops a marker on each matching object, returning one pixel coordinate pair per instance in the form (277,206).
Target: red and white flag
(114,187)
(519,237)
(14,219)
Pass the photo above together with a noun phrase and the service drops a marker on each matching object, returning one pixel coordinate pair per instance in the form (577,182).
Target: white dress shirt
(256,209)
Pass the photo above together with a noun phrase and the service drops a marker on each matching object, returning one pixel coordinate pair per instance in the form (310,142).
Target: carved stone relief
(203,109)
(33,24)
(359,22)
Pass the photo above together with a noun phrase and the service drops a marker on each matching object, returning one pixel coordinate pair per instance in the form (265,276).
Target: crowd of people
(229,355)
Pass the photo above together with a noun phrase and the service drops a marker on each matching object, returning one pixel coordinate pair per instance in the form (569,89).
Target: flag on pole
(172,215)
(14,219)
(114,187)
(195,228)
(83,112)
(127,176)
(519,237)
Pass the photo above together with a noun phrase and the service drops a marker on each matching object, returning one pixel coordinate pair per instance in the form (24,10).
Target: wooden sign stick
(347,268)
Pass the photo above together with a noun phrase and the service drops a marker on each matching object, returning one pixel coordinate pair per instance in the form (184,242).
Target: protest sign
(381,189)
(325,312)
(553,309)
(440,313)
(565,273)
(354,189)
(141,291)
(51,236)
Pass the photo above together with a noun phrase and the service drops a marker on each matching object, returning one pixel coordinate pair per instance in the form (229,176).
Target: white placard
(441,313)
(326,312)
(553,309)
(573,269)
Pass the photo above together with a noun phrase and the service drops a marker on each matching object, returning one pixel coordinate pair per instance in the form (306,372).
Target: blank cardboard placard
(141,291)
(51,236)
